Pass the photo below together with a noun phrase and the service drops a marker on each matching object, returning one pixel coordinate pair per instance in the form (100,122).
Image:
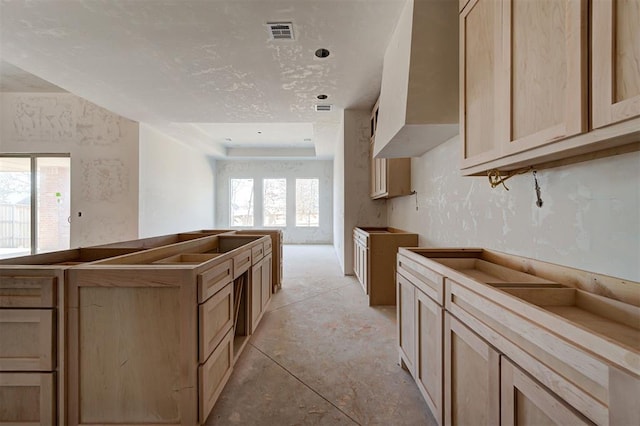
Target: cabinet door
(266,281)
(615,59)
(525,402)
(256,295)
(429,336)
(480,33)
(405,297)
(544,48)
(472,377)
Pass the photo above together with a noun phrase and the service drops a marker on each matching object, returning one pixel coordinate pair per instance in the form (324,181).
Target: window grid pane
(275,202)
(241,194)
(307,202)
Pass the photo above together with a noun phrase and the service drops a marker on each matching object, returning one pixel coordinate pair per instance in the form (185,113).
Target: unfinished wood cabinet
(375,252)
(615,59)
(574,355)
(389,177)
(480,51)
(525,88)
(213,375)
(429,352)
(544,74)
(27,399)
(406,311)
(360,256)
(472,377)
(525,402)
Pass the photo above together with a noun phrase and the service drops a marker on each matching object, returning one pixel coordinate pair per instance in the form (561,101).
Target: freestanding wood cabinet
(375,258)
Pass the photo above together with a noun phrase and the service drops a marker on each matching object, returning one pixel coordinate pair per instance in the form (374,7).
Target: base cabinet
(472,374)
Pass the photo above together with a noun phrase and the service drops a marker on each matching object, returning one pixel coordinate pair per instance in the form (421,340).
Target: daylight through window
(275,202)
(241,194)
(307,202)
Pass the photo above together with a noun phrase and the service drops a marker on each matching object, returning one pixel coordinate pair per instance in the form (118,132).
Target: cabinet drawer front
(569,371)
(213,375)
(360,237)
(241,263)
(216,319)
(257,252)
(211,281)
(27,292)
(27,340)
(267,246)
(426,280)
(27,399)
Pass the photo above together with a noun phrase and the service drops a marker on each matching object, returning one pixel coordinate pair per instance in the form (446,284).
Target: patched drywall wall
(290,170)
(176,186)
(359,208)
(104,158)
(590,218)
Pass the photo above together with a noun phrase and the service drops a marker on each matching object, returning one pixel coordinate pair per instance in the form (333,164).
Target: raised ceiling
(208,72)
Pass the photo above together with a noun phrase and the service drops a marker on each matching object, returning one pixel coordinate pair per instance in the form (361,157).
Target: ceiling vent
(322,108)
(280,30)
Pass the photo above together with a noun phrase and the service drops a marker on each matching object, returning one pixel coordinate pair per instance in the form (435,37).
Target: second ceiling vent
(320,108)
(280,30)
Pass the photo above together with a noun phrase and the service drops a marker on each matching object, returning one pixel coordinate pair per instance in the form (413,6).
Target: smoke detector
(280,30)
(323,108)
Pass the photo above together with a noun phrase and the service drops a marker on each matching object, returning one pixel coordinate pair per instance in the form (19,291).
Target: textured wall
(359,209)
(104,158)
(258,170)
(338,197)
(176,186)
(590,218)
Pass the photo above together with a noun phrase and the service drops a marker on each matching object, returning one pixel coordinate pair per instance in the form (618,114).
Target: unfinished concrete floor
(321,356)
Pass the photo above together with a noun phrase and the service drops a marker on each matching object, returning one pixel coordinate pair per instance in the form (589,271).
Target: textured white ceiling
(196,68)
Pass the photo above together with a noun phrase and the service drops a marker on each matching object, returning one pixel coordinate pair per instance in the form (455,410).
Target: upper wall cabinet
(418,99)
(524,81)
(615,85)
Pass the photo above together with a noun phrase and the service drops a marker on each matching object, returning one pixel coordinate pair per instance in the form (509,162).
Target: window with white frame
(274,202)
(241,202)
(307,202)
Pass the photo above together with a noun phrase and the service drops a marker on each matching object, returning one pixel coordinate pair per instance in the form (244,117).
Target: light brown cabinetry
(420,329)
(390,177)
(29,346)
(548,341)
(615,55)
(525,402)
(406,310)
(472,377)
(27,399)
(375,260)
(524,98)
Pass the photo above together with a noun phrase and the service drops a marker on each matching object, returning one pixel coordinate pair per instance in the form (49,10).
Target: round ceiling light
(322,96)
(322,53)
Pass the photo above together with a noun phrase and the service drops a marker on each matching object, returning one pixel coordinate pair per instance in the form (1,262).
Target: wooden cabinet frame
(604,78)
(24,355)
